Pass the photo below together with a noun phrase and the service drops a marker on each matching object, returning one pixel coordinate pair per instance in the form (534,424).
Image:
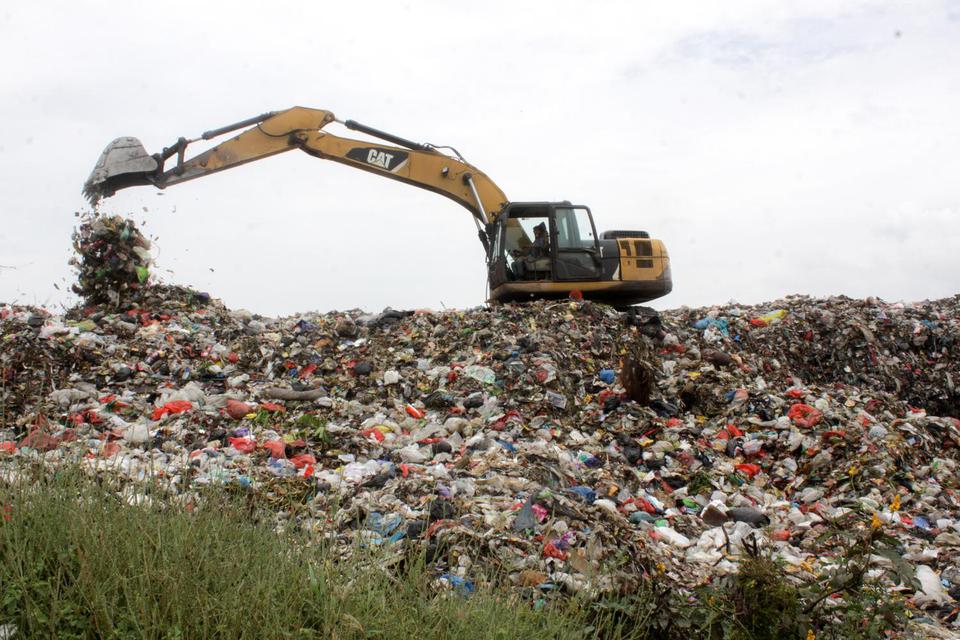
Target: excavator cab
(549,242)
(619,267)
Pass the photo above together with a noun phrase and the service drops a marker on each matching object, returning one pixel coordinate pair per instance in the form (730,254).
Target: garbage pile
(907,350)
(563,446)
(112,259)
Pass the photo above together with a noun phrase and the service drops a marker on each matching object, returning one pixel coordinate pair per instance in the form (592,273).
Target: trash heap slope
(562,446)
(907,350)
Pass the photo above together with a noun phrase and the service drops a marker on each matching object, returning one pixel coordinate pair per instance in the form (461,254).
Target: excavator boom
(125,162)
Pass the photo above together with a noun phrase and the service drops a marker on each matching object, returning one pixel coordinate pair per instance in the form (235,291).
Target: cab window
(574,230)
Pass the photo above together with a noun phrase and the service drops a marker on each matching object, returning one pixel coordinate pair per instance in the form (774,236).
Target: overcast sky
(775,147)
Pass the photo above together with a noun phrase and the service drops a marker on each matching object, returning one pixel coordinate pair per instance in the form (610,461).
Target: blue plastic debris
(461,585)
(507,445)
(381,524)
(720,324)
(586,493)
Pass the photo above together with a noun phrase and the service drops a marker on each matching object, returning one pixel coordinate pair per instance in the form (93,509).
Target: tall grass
(78,562)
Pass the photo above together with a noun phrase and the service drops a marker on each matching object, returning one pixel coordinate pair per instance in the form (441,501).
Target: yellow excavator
(533,249)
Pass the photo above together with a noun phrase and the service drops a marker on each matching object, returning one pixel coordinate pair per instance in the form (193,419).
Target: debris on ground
(565,445)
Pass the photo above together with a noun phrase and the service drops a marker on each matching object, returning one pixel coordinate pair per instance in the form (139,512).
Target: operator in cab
(532,261)
(540,248)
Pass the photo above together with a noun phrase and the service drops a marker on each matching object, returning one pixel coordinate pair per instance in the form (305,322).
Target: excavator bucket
(124,163)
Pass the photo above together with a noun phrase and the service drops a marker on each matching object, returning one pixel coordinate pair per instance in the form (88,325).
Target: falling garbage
(112,259)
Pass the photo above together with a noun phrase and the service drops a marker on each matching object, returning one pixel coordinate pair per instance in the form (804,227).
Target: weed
(77,561)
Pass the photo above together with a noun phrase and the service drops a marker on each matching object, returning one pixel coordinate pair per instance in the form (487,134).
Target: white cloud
(775,147)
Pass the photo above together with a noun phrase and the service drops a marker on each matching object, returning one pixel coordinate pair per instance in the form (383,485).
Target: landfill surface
(563,446)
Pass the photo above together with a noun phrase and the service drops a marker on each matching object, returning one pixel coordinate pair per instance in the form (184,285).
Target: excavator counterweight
(533,249)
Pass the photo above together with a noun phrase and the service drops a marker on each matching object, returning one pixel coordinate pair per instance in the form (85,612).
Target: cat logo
(380,158)
(387,159)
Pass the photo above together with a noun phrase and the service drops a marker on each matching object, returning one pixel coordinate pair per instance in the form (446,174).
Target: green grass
(77,561)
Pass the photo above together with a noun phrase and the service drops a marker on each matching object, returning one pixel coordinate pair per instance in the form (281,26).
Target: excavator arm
(125,163)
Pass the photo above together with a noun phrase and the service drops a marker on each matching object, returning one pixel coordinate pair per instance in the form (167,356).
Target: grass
(77,561)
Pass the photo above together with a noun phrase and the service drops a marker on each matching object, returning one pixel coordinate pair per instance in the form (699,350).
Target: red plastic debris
(372,431)
(804,415)
(8,446)
(115,405)
(749,469)
(307,370)
(277,448)
(172,407)
(646,505)
(85,417)
(436,526)
(271,406)
(40,441)
(303,459)
(550,550)
(603,395)
(243,445)
(236,409)
(413,412)
(109,449)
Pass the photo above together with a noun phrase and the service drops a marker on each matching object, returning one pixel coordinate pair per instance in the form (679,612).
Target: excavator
(533,249)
